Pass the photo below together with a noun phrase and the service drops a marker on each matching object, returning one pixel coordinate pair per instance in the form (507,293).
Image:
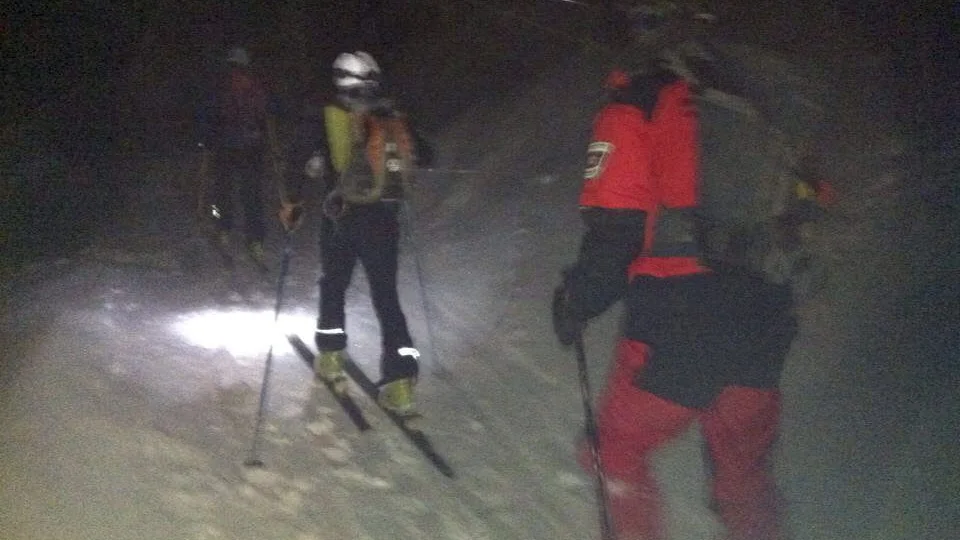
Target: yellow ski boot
(328,366)
(397,397)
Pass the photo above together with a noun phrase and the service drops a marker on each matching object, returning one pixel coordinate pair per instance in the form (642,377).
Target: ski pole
(606,528)
(253,459)
(425,305)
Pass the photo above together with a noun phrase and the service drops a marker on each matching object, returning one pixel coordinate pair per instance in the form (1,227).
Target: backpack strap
(338,122)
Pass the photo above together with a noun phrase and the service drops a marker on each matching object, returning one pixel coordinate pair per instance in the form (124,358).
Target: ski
(343,398)
(414,434)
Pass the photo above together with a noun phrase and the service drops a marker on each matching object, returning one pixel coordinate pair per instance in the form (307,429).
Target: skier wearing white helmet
(361,150)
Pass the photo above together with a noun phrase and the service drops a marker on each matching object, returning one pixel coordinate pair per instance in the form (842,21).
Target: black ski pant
(370,234)
(239,170)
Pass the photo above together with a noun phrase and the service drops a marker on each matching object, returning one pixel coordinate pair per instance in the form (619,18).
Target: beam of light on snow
(240,332)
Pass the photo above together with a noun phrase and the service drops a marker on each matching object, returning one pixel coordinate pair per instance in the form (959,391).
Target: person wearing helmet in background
(358,147)
(701,341)
(237,124)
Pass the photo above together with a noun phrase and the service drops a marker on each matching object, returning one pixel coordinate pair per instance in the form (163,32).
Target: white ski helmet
(356,71)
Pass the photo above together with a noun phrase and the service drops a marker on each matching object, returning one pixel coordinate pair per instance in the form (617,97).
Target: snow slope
(132,370)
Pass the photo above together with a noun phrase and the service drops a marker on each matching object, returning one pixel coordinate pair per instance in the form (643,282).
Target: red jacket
(648,162)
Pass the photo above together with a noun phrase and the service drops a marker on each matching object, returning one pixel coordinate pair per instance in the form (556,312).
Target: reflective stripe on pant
(739,427)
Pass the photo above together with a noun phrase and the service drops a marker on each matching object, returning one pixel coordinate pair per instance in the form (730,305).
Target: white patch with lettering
(597,155)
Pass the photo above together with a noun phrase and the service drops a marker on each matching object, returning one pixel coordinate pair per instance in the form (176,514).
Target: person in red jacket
(237,124)
(701,343)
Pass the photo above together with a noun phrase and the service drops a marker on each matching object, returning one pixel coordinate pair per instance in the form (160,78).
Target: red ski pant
(739,427)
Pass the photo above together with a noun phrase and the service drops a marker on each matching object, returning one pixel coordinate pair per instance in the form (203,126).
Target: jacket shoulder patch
(597,155)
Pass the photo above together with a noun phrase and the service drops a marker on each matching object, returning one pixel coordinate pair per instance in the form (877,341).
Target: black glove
(568,324)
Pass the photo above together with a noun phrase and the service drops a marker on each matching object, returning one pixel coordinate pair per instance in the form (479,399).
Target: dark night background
(84,82)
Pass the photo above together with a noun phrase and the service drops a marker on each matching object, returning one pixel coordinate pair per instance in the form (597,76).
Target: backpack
(757,191)
(372,152)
